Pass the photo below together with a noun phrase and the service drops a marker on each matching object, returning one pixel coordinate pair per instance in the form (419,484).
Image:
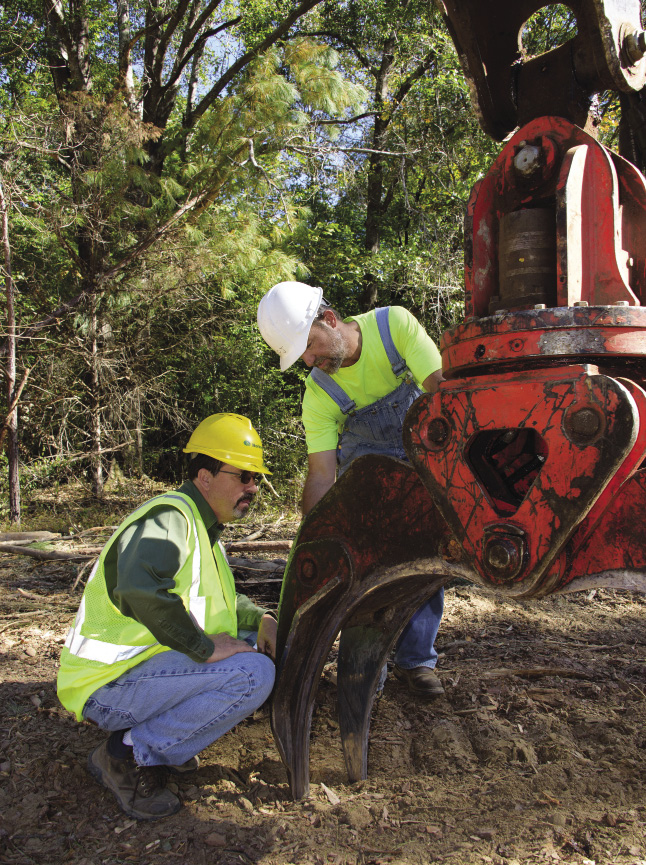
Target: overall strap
(395,359)
(333,390)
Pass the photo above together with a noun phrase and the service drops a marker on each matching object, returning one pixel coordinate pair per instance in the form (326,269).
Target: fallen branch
(536,673)
(259,546)
(28,537)
(50,555)
(273,566)
(258,581)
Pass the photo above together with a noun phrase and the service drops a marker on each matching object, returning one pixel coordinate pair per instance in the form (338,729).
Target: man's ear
(330,318)
(205,478)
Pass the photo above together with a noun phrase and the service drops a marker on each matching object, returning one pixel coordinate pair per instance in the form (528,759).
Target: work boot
(420,680)
(185,768)
(139,790)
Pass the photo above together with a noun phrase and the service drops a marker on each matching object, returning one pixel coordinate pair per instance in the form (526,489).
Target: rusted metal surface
(508,87)
(527,259)
(517,464)
(598,206)
(528,466)
(370,553)
(612,337)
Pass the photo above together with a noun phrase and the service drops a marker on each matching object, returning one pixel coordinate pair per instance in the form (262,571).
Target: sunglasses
(245,476)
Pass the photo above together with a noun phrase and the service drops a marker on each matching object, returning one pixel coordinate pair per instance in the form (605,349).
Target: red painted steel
(540,426)
(515,508)
(599,206)
(604,335)
(528,466)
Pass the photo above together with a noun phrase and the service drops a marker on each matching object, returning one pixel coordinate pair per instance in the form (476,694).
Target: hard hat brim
(290,357)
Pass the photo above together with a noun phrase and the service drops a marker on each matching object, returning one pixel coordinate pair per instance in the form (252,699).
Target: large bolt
(308,570)
(438,432)
(583,423)
(500,555)
(527,160)
(634,46)
(503,556)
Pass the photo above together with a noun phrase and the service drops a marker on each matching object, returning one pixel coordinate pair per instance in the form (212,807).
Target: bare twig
(80,573)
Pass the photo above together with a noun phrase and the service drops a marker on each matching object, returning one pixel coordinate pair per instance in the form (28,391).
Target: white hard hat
(285,315)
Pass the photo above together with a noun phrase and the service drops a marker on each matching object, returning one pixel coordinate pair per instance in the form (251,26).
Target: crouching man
(161,653)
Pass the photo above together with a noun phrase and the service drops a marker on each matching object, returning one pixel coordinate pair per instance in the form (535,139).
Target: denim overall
(377,429)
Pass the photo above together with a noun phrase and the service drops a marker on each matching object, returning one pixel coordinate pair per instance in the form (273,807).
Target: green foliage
(548,28)
(179,217)
(156,196)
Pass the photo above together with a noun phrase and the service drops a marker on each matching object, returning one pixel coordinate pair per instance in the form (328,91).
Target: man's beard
(332,361)
(240,512)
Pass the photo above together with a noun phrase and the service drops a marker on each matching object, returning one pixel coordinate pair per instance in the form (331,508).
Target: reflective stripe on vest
(111,653)
(196,603)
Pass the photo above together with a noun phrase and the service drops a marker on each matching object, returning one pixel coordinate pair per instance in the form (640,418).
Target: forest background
(164,162)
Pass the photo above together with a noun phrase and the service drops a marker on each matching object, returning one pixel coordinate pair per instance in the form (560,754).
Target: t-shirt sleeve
(321,418)
(413,343)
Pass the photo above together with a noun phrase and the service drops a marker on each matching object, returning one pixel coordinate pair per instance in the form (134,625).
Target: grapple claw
(362,571)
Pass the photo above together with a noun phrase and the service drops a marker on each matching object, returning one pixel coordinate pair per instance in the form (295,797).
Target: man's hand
(224,646)
(267,636)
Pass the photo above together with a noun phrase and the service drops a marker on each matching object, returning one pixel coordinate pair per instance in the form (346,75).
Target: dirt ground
(534,755)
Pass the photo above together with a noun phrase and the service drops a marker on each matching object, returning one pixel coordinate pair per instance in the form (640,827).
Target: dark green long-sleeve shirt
(140,572)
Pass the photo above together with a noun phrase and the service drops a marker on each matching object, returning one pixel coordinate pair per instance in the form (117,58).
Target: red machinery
(527,469)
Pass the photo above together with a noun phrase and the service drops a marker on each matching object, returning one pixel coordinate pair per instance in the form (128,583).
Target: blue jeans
(377,428)
(176,707)
(416,645)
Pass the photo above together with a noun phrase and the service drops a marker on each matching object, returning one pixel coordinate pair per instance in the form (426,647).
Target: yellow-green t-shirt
(371,377)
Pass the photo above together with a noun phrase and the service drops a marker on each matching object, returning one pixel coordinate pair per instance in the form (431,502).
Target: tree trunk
(11,422)
(374,203)
(95,402)
(139,442)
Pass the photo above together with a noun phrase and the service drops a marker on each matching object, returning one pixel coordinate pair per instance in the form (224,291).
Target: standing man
(160,654)
(367,370)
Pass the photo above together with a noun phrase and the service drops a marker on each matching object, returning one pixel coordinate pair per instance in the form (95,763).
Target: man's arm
(432,382)
(321,474)
(140,578)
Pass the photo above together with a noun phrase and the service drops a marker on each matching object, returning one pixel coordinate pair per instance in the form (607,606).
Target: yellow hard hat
(230,438)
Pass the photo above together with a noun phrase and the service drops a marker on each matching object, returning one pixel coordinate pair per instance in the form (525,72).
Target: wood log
(275,566)
(254,567)
(27,537)
(259,546)
(49,555)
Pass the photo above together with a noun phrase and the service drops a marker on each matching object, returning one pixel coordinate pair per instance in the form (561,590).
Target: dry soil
(534,755)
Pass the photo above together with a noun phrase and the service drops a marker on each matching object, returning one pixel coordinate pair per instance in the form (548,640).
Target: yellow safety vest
(103,643)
